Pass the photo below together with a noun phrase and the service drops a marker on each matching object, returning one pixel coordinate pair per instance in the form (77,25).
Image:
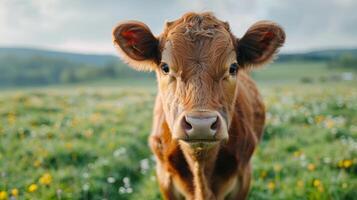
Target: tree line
(347,61)
(39,70)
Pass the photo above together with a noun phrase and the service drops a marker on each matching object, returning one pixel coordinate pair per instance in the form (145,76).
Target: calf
(208,115)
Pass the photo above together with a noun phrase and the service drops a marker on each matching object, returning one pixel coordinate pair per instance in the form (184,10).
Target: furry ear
(136,45)
(260,43)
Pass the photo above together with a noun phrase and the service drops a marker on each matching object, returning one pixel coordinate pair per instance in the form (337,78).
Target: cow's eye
(165,68)
(233,69)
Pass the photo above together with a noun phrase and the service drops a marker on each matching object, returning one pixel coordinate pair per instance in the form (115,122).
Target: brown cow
(208,116)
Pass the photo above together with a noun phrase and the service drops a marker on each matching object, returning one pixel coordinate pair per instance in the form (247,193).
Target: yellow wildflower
(344,185)
(347,163)
(32,188)
(316,183)
(3,195)
(263,174)
(329,123)
(74,122)
(37,163)
(271,185)
(45,179)
(111,145)
(95,118)
(11,118)
(319,119)
(69,146)
(15,192)
(300,183)
(311,167)
(297,153)
(277,168)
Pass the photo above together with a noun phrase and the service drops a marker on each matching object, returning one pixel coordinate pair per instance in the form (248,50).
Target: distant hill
(91,59)
(321,55)
(102,59)
(28,67)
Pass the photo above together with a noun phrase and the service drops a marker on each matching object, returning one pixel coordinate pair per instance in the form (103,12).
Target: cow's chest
(221,183)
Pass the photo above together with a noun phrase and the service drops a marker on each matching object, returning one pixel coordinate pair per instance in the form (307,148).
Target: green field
(90,142)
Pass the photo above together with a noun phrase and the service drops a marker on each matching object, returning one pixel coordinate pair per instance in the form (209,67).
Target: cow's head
(196,60)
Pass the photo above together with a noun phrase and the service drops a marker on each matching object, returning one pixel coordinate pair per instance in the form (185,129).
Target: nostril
(214,126)
(186,125)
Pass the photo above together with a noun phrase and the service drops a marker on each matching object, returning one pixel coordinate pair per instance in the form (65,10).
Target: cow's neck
(201,163)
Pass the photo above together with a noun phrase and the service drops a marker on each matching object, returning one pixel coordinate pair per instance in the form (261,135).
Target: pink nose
(200,126)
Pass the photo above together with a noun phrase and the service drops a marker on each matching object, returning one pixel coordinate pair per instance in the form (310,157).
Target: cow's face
(197,61)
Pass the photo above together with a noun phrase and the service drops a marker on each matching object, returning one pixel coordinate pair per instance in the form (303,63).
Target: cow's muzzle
(200,127)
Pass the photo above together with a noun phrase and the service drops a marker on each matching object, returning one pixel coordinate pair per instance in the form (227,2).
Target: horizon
(114,53)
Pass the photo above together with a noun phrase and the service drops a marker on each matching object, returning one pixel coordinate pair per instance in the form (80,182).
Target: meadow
(90,142)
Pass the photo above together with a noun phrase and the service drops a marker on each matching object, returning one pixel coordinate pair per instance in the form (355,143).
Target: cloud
(316,24)
(85,25)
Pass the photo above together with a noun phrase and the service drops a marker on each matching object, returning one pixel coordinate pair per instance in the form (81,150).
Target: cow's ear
(259,44)
(136,45)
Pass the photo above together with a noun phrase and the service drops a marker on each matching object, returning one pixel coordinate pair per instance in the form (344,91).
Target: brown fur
(233,158)
(199,49)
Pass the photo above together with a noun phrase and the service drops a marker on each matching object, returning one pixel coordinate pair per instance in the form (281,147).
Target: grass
(297,72)
(91,142)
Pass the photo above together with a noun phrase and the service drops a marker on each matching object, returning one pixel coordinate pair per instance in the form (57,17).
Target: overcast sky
(85,25)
